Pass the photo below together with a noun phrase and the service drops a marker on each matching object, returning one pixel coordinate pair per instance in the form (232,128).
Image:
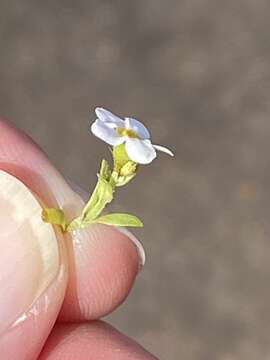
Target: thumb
(33,276)
(31,270)
(29,256)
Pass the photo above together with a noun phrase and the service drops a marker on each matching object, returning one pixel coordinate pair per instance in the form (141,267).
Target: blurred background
(197,73)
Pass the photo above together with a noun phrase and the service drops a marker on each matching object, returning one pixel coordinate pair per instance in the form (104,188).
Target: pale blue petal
(138,127)
(140,151)
(104,132)
(106,116)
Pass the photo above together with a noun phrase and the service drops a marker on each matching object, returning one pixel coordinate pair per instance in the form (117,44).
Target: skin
(97,270)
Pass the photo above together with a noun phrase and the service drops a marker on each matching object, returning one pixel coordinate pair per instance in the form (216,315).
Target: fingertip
(103,266)
(95,340)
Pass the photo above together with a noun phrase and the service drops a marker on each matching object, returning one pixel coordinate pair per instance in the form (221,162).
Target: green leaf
(119,219)
(54,216)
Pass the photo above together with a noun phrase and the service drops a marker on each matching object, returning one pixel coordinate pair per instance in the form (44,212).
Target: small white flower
(115,131)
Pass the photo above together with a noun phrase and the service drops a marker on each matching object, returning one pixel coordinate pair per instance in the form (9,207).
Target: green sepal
(123,180)
(119,219)
(55,217)
(120,157)
(124,168)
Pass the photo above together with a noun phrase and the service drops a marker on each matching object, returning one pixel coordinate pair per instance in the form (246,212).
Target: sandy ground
(198,74)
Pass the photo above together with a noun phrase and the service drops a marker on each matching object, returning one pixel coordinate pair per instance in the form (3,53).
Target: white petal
(107,116)
(138,127)
(140,151)
(163,149)
(104,132)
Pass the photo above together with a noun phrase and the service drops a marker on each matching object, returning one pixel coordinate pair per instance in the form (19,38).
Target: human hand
(54,287)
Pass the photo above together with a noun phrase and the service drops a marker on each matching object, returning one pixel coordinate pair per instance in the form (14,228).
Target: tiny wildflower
(131,132)
(132,146)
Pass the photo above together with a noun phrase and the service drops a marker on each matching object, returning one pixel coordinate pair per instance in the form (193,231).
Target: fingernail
(29,255)
(137,243)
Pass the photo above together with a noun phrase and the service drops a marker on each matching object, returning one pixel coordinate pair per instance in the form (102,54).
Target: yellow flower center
(127,132)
